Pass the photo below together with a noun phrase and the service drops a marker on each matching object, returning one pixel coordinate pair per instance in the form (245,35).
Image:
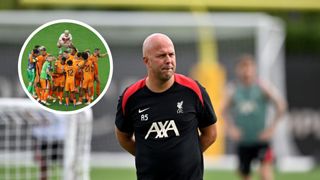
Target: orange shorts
(59,81)
(78,82)
(87,83)
(69,86)
(45,84)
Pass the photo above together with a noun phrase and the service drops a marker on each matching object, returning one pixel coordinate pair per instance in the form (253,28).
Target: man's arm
(280,108)
(70,35)
(208,136)
(103,55)
(60,38)
(126,141)
(232,130)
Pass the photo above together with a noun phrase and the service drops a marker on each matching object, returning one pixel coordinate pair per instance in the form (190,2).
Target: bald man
(165,120)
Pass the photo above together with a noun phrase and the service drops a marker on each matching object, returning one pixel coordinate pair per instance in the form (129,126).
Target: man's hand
(267,134)
(235,133)
(208,136)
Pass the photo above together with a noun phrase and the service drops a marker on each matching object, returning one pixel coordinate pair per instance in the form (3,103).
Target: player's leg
(31,76)
(72,93)
(68,45)
(42,89)
(73,97)
(60,94)
(44,160)
(79,86)
(45,85)
(266,158)
(55,93)
(61,84)
(84,89)
(55,88)
(67,89)
(245,159)
(90,90)
(59,45)
(97,80)
(37,87)
(50,90)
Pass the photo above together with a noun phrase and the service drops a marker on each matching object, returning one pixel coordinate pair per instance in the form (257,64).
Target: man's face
(73,51)
(246,70)
(43,52)
(97,52)
(66,55)
(36,54)
(50,58)
(161,60)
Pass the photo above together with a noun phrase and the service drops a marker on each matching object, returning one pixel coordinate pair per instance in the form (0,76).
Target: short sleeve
(206,114)
(122,122)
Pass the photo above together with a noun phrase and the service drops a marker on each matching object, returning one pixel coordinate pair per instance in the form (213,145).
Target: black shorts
(248,153)
(49,150)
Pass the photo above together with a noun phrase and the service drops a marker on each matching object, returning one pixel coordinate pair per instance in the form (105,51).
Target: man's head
(73,50)
(35,52)
(96,52)
(159,56)
(84,56)
(66,32)
(50,58)
(43,50)
(63,60)
(78,55)
(37,46)
(246,69)
(69,62)
(87,51)
(65,54)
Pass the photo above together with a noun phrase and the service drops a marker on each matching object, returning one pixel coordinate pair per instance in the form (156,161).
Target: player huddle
(69,77)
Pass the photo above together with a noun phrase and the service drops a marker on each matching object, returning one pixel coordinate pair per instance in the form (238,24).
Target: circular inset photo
(65,66)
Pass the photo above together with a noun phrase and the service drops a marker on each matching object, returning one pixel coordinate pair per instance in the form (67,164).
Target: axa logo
(161,129)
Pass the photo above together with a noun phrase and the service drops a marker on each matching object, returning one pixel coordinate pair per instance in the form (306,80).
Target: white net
(36,144)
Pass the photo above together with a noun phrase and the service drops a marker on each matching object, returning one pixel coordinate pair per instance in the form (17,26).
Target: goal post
(36,144)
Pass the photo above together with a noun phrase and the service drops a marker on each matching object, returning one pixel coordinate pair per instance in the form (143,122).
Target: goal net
(36,144)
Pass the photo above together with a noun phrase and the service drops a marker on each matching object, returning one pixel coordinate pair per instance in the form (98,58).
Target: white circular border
(74,22)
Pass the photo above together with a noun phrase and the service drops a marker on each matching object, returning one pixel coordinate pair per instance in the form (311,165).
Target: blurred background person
(244,110)
(48,140)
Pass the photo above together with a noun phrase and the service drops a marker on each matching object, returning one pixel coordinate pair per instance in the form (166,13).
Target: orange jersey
(59,67)
(40,60)
(94,59)
(70,77)
(71,56)
(79,63)
(88,70)
(70,72)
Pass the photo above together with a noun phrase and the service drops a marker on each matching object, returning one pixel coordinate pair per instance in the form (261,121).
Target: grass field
(83,39)
(129,174)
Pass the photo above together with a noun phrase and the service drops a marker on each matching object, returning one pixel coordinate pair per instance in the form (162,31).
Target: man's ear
(145,60)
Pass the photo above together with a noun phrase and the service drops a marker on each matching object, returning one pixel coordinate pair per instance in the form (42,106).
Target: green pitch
(129,174)
(83,39)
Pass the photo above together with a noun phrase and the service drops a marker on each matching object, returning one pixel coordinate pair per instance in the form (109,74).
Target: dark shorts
(248,153)
(50,150)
